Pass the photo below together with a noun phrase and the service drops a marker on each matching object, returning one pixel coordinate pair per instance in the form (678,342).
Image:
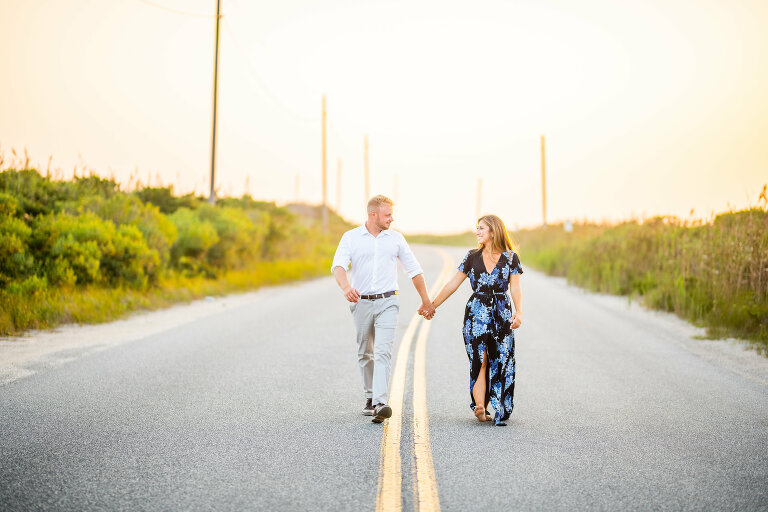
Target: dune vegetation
(85,251)
(713,273)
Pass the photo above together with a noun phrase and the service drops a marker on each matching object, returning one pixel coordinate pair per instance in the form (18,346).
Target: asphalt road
(258,408)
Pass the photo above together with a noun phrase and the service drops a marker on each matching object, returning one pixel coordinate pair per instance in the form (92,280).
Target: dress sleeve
(514,265)
(465,264)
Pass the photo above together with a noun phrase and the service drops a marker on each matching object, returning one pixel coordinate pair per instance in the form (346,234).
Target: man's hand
(351,294)
(427,311)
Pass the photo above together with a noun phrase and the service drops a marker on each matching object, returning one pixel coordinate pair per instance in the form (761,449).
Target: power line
(177,11)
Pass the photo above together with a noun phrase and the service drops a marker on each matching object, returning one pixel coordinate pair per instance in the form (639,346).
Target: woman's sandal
(480,413)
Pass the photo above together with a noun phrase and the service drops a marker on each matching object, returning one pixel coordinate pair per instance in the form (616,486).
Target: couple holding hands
(365,268)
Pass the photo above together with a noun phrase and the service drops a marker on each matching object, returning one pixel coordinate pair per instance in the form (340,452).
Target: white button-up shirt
(374,259)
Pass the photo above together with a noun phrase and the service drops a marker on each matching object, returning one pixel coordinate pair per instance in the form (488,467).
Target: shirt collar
(364,231)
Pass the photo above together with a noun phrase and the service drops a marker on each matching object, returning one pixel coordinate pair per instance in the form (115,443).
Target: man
(372,250)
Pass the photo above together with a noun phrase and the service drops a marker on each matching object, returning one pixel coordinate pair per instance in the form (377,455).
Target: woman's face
(483,233)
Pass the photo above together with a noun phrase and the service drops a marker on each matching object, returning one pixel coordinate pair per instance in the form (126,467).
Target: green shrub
(131,261)
(165,201)
(15,260)
(38,195)
(30,286)
(195,239)
(240,240)
(85,251)
(157,229)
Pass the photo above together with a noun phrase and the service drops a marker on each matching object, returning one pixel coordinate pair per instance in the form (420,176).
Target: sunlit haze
(648,107)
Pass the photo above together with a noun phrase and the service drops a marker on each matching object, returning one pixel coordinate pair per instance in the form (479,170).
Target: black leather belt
(378,295)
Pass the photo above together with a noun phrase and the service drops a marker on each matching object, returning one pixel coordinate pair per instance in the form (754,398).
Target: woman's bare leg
(479,389)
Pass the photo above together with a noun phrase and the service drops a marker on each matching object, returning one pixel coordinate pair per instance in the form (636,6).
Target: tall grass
(713,273)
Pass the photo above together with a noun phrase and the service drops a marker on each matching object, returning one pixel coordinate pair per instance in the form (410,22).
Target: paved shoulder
(612,411)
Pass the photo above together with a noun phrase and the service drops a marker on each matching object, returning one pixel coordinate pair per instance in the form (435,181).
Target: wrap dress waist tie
(491,298)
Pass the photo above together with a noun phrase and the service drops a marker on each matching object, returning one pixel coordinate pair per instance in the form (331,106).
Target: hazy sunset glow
(649,107)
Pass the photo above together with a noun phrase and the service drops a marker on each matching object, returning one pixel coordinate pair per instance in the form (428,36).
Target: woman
(488,319)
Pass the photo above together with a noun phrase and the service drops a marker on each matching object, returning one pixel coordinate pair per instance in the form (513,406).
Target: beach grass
(711,272)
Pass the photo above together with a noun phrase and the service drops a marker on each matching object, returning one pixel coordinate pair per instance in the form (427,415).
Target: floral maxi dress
(487,328)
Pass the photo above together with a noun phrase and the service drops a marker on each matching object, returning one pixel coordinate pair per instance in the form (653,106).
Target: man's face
(383,217)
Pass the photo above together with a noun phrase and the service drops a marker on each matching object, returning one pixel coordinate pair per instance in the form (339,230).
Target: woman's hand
(427,311)
(517,319)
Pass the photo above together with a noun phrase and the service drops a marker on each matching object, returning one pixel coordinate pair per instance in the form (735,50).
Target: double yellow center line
(389,495)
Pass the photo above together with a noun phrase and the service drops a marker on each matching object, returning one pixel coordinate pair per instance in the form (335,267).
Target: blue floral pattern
(487,328)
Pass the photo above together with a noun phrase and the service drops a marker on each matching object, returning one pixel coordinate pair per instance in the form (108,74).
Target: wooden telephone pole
(338,186)
(543,182)
(325,173)
(212,195)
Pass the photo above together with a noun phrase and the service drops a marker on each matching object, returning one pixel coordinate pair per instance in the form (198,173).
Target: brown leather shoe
(368,409)
(382,412)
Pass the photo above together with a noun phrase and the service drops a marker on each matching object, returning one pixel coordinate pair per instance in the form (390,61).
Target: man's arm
(341,261)
(351,294)
(414,270)
(421,287)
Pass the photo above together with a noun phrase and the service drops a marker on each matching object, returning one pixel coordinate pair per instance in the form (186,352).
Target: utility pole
(367,173)
(296,188)
(325,173)
(338,186)
(479,198)
(212,195)
(543,182)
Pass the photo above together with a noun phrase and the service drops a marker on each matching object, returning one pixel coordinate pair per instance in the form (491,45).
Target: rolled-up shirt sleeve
(408,260)
(343,256)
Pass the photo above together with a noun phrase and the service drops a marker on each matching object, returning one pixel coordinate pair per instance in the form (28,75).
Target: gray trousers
(375,322)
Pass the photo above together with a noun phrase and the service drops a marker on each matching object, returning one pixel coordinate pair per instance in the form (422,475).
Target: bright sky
(649,107)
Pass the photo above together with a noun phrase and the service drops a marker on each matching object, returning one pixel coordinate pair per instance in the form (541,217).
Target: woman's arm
(517,299)
(450,287)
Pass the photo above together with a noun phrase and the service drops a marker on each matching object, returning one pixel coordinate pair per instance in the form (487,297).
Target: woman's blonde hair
(499,234)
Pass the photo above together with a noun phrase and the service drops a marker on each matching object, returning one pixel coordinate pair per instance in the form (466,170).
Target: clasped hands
(427,310)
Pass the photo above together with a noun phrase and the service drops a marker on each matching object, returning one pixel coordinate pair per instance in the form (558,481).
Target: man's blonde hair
(377,202)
